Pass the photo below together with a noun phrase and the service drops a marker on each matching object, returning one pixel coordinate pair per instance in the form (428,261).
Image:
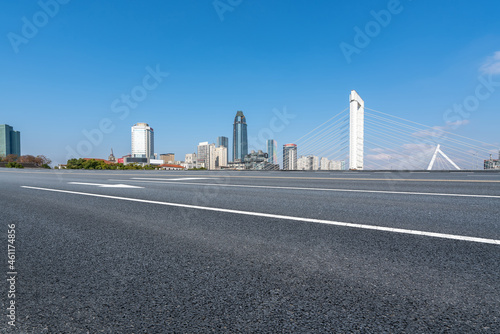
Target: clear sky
(67,67)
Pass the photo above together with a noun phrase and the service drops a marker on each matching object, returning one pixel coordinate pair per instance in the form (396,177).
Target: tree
(10,158)
(26,159)
(75,163)
(38,161)
(41,160)
(14,164)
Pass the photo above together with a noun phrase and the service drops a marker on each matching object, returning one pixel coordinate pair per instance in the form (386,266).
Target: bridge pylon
(356,131)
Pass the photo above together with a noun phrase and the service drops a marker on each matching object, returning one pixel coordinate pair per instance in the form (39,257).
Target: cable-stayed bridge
(360,138)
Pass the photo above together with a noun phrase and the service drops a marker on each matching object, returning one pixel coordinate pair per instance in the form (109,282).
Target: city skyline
(250,166)
(94,85)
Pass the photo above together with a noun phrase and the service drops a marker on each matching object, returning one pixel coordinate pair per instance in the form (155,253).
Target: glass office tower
(240,138)
(272,151)
(223,141)
(10,141)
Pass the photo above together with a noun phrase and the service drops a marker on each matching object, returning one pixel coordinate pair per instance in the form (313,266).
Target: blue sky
(261,57)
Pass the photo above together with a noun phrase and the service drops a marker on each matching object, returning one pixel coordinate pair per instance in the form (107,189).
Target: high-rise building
(303,163)
(315,162)
(272,151)
(223,141)
(211,156)
(324,163)
(240,138)
(337,165)
(206,155)
(290,157)
(327,164)
(167,157)
(310,162)
(220,158)
(10,141)
(203,155)
(142,141)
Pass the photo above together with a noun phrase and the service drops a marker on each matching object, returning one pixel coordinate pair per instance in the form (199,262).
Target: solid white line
(320,189)
(268,215)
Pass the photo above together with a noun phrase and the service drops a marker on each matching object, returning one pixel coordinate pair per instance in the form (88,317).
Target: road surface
(170,251)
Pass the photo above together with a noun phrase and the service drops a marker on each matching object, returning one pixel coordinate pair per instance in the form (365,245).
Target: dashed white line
(268,215)
(105,185)
(178,179)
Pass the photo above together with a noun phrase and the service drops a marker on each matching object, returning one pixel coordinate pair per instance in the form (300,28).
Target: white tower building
(220,158)
(356,131)
(290,157)
(142,141)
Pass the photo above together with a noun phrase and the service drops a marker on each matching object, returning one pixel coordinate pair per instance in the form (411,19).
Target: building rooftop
(171,165)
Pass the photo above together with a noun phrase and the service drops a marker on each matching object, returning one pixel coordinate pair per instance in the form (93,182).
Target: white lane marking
(104,185)
(178,179)
(322,189)
(269,215)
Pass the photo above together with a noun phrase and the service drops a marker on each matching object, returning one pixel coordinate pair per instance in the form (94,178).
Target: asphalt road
(185,252)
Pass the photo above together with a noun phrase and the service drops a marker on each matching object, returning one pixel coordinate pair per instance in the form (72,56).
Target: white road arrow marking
(104,185)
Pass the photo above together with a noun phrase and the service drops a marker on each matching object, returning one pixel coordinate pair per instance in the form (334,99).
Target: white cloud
(457,123)
(380,156)
(377,149)
(492,64)
(414,147)
(438,131)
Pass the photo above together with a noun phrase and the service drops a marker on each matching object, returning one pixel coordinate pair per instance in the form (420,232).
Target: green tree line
(14,161)
(100,164)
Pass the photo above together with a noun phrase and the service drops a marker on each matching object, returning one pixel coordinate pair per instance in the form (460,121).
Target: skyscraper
(10,141)
(220,156)
(290,157)
(223,141)
(272,151)
(142,141)
(240,139)
(206,155)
